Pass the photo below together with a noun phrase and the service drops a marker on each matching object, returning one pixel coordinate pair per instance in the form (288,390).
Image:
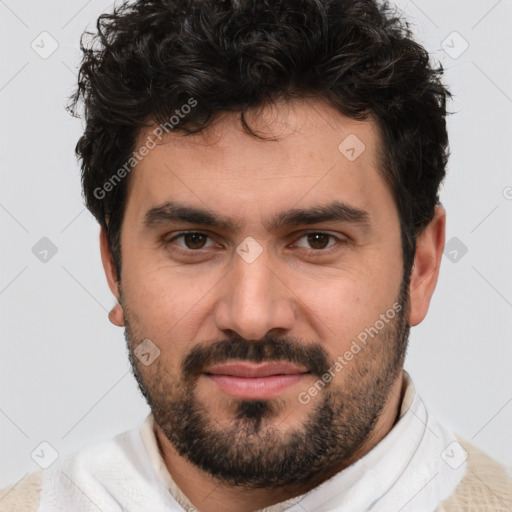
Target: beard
(256,448)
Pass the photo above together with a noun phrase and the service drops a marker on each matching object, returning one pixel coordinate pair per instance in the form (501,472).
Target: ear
(427,261)
(116,315)
(108,264)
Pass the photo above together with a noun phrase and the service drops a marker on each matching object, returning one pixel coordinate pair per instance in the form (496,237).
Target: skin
(180,302)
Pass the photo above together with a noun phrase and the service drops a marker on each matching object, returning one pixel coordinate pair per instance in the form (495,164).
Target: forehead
(309,154)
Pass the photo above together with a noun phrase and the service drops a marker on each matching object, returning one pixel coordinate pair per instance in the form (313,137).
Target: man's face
(253,307)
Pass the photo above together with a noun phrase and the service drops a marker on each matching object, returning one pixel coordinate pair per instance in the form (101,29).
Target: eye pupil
(194,240)
(318,240)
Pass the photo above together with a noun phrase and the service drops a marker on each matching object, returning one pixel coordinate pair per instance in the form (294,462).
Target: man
(266,179)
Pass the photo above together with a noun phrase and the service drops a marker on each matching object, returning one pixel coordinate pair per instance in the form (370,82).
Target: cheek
(349,303)
(166,303)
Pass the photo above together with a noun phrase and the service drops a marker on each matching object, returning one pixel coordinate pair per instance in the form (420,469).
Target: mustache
(312,356)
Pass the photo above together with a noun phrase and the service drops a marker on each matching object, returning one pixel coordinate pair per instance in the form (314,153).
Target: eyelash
(312,252)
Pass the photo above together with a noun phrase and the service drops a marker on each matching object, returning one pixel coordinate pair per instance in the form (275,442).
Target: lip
(255,381)
(255,370)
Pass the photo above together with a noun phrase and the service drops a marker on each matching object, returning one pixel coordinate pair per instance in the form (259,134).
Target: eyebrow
(336,211)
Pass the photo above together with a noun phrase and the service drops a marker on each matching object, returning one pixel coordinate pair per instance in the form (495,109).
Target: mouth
(253,381)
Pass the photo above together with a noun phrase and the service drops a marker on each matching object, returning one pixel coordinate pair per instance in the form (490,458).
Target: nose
(253,300)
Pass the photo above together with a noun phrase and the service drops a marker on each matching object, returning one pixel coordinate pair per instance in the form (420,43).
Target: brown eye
(194,240)
(318,240)
(191,241)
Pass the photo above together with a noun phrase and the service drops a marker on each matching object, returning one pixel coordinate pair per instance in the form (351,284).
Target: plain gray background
(65,377)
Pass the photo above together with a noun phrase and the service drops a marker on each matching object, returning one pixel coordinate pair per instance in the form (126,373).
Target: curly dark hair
(150,57)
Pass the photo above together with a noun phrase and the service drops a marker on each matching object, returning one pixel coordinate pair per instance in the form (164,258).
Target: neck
(208,494)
